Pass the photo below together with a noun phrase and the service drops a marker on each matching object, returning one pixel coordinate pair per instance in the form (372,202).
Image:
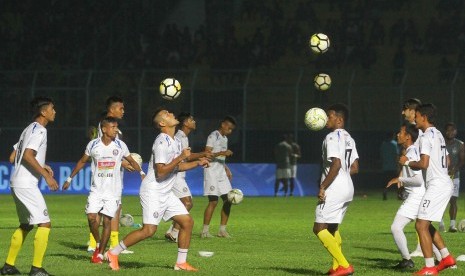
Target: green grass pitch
(271,236)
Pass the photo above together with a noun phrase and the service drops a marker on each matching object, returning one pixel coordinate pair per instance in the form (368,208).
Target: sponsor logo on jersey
(106,165)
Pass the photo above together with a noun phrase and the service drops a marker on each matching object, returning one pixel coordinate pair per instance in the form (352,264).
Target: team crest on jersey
(46,212)
(184,189)
(155,215)
(212,188)
(115,152)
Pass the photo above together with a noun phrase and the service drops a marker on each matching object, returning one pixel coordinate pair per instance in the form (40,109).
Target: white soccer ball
(461,226)
(137,158)
(126,220)
(319,43)
(235,196)
(322,81)
(315,118)
(170,89)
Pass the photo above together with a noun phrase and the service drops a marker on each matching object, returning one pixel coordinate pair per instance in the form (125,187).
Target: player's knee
(26,227)
(148,231)
(189,204)
(395,228)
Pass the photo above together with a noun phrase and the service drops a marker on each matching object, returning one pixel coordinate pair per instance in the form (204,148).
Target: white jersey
(432,143)
(417,142)
(33,137)
(106,167)
(409,175)
(339,144)
(184,144)
(219,143)
(164,150)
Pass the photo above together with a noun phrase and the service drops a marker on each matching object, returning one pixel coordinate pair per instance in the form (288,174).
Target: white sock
(429,262)
(397,229)
(444,252)
(182,255)
(437,253)
(175,233)
(206,228)
(119,248)
(169,229)
(222,227)
(418,247)
(452,223)
(441,223)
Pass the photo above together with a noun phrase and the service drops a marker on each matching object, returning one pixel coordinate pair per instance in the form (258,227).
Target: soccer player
(180,187)
(433,163)
(107,153)
(413,182)
(217,177)
(114,108)
(282,156)
(156,196)
(456,150)
(30,204)
(340,160)
(296,154)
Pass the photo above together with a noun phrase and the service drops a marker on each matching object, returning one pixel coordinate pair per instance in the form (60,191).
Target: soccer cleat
(427,271)
(206,235)
(343,271)
(404,264)
(9,270)
(445,263)
(185,266)
(330,271)
(416,253)
(442,228)
(453,229)
(224,234)
(170,237)
(112,260)
(96,258)
(38,271)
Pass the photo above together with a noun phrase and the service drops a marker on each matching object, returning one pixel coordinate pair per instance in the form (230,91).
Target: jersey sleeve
(36,139)
(425,145)
(332,146)
(125,149)
(89,147)
(160,152)
(211,140)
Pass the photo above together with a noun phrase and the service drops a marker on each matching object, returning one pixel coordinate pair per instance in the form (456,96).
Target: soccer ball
(319,43)
(137,158)
(170,89)
(322,81)
(316,118)
(126,220)
(235,196)
(461,226)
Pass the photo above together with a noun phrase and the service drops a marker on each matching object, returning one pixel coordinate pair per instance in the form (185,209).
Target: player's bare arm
(125,164)
(228,172)
(29,157)
(394,181)
(201,162)
(354,167)
(134,165)
(79,165)
(422,164)
(162,170)
(48,169)
(12,157)
(332,174)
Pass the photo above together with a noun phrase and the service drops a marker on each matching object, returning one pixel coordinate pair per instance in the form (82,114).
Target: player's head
(450,130)
(115,107)
(186,120)
(425,115)
(228,124)
(408,134)
(109,126)
(163,118)
(338,114)
(409,107)
(43,107)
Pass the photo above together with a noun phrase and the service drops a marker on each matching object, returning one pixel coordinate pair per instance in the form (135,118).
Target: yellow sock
(17,240)
(40,245)
(92,241)
(329,241)
(114,241)
(338,238)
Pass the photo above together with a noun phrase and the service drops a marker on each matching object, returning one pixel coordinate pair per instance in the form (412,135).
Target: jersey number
(444,156)
(348,155)
(18,151)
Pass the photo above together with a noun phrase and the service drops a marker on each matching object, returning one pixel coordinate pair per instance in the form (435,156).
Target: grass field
(271,236)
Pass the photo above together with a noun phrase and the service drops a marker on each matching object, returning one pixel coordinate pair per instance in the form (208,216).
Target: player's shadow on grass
(74,257)
(124,264)
(378,249)
(72,245)
(301,271)
(385,264)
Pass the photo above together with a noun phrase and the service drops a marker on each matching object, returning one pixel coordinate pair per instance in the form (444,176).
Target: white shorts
(435,201)
(293,171)
(331,212)
(456,182)
(410,206)
(156,207)
(180,188)
(97,204)
(283,173)
(216,182)
(30,206)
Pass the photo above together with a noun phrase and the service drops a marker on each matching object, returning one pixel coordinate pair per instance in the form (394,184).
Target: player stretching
(340,160)
(156,196)
(414,185)
(30,204)
(107,153)
(180,187)
(217,177)
(433,163)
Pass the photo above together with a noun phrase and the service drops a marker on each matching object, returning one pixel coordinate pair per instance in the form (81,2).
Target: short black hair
(341,110)
(412,103)
(108,120)
(111,100)
(183,116)
(158,110)
(38,103)
(429,110)
(451,124)
(411,130)
(230,119)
